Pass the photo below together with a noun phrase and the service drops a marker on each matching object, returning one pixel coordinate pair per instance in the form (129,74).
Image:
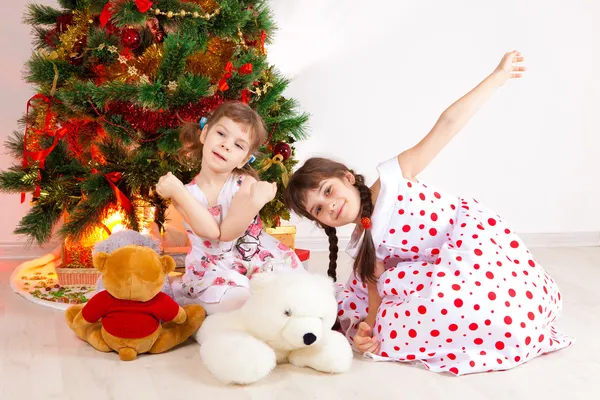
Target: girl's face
(226,145)
(336,202)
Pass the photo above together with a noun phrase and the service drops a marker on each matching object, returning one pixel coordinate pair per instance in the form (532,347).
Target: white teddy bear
(288,318)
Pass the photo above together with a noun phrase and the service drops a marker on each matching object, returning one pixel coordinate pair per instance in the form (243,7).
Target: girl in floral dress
(220,209)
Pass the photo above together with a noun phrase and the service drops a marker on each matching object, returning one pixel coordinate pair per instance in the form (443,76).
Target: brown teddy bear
(126,317)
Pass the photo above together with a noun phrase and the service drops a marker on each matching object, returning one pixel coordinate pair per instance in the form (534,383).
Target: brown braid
(333,251)
(364,263)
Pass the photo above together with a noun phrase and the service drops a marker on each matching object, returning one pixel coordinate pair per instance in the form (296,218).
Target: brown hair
(190,152)
(309,177)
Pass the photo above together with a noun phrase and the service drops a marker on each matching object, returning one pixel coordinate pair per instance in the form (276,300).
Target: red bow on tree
(263,38)
(122,200)
(47,130)
(243,70)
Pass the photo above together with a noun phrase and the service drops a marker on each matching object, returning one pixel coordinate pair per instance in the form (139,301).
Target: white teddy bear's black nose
(309,339)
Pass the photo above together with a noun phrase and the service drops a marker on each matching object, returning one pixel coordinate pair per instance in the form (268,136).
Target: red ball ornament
(283,149)
(130,38)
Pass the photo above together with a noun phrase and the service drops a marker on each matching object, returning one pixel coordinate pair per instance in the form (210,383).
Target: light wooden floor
(40,358)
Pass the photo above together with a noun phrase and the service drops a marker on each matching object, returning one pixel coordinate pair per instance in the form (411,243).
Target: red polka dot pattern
(461,293)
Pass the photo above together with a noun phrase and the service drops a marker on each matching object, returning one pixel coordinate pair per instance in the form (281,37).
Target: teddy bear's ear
(99,260)
(168,264)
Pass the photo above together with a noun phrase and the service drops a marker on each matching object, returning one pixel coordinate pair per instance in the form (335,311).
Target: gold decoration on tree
(74,35)
(212,62)
(38,118)
(276,160)
(40,114)
(241,39)
(182,13)
(172,86)
(259,91)
(31,177)
(149,62)
(207,5)
(145,66)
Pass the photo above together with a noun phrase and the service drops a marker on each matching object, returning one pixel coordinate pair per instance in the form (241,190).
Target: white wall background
(376,75)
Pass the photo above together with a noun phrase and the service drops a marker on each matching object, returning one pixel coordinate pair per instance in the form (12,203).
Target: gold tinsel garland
(73,35)
(33,139)
(211,63)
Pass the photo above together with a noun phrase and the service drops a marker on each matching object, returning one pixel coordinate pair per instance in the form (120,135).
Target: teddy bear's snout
(302,331)
(309,339)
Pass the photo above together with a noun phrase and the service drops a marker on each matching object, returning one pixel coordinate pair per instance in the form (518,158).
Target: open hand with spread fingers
(510,67)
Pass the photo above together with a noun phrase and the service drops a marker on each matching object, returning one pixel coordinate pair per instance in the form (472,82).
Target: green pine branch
(263,21)
(113,91)
(234,14)
(153,96)
(125,13)
(74,4)
(118,129)
(190,88)
(176,50)
(87,215)
(169,141)
(37,225)
(14,181)
(40,14)
(96,38)
(41,72)
(14,145)
(39,34)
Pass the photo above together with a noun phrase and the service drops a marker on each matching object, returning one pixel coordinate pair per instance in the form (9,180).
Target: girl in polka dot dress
(438,279)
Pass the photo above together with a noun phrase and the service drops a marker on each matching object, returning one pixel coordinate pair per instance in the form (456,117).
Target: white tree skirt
(36,280)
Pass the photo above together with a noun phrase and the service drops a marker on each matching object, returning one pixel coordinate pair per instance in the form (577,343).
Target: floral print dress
(213,266)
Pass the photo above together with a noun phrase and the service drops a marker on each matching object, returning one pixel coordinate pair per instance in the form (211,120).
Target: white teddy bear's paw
(236,357)
(332,355)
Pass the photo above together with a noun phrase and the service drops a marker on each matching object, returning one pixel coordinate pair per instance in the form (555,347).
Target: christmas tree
(114,82)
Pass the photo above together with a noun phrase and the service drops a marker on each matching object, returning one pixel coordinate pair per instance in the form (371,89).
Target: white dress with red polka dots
(214,266)
(460,292)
